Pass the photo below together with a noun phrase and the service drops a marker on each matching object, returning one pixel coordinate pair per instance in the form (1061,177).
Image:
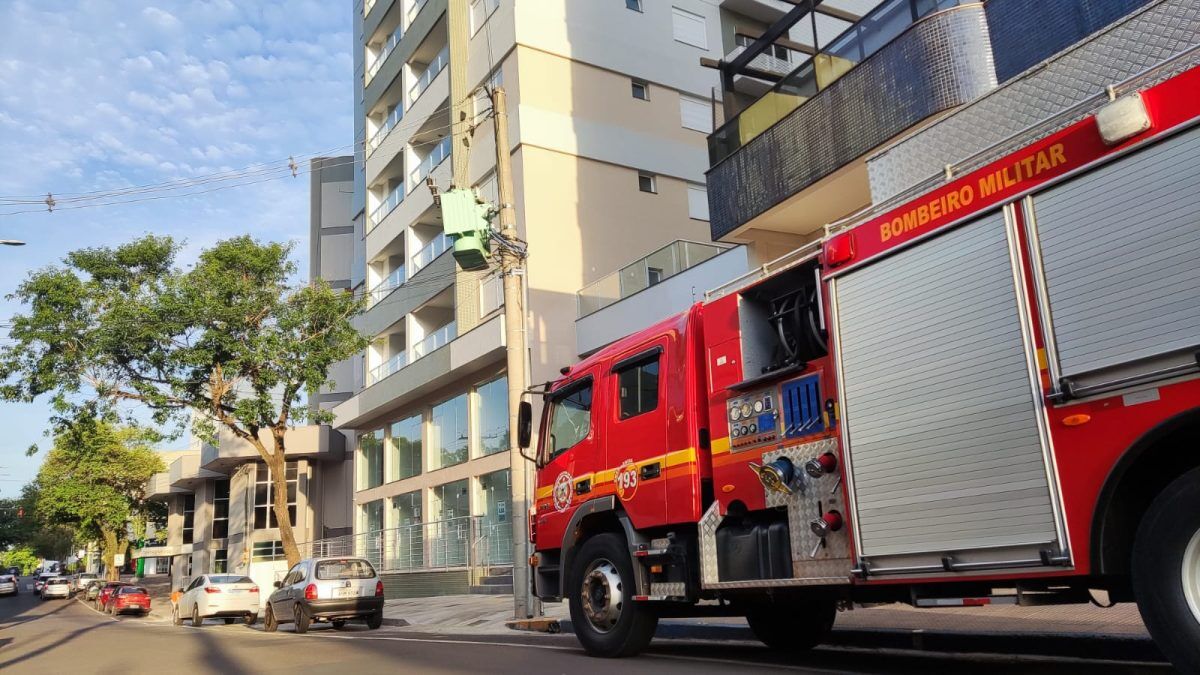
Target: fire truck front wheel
(607,621)
(1166,571)
(795,627)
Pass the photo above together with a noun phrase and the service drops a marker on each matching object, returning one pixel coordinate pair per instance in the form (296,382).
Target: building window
(409,548)
(220,561)
(635,5)
(189,518)
(451,533)
(638,388)
(492,416)
(698,202)
(689,28)
(162,565)
(372,516)
(406,448)
(220,509)
(647,182)
(653,275)
(264,495)
(370,460)
(480,11)
(448,433)
(495,526)
(778,51)
(267,550)
(641,89)
(695,114)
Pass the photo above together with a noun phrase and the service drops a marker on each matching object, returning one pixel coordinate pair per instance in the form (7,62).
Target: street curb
(1093,647)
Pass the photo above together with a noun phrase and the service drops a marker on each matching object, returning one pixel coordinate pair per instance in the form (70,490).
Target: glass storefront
(448,433)
(495,522)
(408,541)
(492,416)
(370,455)
(449,536)
(405,447)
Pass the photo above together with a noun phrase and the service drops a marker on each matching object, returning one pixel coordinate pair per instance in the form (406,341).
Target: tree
(94,479)
(227,338)
(22,557)
(17,522)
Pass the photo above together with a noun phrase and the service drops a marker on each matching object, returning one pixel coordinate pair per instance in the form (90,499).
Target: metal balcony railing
(433,160)
(770,62)
(429,252)
(435,340)
(395,362)
(814,73)
(431,71)
(367,5)
(385,51)
(413,10)
(643,273)
(454,543)
(389,204)
(393,117)
(394,280)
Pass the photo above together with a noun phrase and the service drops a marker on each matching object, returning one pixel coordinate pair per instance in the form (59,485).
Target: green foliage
(18,523)
(23,557)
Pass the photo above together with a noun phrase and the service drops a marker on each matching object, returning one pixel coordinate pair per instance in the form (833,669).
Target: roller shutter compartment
(1119,249)
(941,420)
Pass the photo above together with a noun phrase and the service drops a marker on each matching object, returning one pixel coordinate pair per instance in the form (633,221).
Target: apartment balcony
(313,442)
(463,356)
(187,472)
(652,288)
(422,120)
(419,18)
(902,63)
(422,286)
(417,207)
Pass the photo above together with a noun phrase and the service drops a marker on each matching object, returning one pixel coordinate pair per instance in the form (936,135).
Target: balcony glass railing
(393,117)
(394,363)
(367,6)
(879,27)
(641,274)
(385,51)
(393,281)
(439,62)
(389,204)
(435,340)
(440,151)
(432,250)
(413,10)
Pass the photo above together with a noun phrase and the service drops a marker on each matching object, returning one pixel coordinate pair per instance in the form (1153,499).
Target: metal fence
(471,542)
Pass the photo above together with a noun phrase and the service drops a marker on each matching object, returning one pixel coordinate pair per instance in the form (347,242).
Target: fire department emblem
(564,490)
(626,480)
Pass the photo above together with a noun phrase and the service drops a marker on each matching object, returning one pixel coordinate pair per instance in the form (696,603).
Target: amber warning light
(840,250)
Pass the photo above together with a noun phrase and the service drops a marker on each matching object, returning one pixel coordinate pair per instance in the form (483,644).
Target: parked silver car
(326,589)
(82,580)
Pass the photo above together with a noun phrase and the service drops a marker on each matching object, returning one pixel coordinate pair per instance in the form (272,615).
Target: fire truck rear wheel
(795,627)
(1166,571)
(607,621)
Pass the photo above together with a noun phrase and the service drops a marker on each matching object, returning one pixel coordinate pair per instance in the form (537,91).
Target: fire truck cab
(987,393)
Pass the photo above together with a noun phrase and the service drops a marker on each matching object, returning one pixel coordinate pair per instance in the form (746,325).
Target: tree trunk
(278,465)
(108,553)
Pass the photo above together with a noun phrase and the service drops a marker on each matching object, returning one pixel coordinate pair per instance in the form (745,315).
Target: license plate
(345,593)
(135,606)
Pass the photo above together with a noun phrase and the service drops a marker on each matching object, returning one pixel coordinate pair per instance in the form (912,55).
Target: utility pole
(512,268)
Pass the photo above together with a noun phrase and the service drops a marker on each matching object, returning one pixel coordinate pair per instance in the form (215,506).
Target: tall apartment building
(609,110)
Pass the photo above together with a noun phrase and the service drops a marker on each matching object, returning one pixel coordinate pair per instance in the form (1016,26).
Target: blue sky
(102,95)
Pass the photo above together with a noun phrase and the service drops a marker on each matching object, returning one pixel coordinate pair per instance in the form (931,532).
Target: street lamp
(11,242)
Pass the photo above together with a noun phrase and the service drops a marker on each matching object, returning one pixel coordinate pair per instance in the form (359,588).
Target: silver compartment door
(1120,250)
(939,409)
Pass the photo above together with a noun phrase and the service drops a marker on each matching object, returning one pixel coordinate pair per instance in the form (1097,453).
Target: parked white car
(56,587)
(226,596)
(82,580)
(336,590)
(8,584)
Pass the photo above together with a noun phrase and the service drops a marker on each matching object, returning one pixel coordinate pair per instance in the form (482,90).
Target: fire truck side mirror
(524,424)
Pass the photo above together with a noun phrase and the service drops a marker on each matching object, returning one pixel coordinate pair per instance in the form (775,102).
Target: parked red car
(106,592)
(129,599)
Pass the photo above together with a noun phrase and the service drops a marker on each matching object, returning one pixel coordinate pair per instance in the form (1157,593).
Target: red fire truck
(986,394)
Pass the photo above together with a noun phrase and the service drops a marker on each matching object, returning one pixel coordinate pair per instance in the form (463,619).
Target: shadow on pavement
(29,615)
(53,645)
(217,657)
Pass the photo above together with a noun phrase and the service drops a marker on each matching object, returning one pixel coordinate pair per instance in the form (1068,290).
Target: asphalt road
(65,636)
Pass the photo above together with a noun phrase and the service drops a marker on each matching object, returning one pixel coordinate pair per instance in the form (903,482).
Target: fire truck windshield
(570,418)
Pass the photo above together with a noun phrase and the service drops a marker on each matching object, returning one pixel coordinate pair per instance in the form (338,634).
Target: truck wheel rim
(1191,574)
(601,595)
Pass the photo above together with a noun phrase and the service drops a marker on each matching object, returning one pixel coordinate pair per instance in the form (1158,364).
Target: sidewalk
(1080,630)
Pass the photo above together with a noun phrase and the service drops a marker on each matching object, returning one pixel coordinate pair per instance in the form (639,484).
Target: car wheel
(1166,571)
(302,619)
(796,628)
(339,623)
(375,620)
(270,625)
(250,619)
(607,621)
(197,620)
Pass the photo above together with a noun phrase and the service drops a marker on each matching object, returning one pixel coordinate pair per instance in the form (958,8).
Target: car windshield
(132,590)
(57,582)
(345,569)
(229,579)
